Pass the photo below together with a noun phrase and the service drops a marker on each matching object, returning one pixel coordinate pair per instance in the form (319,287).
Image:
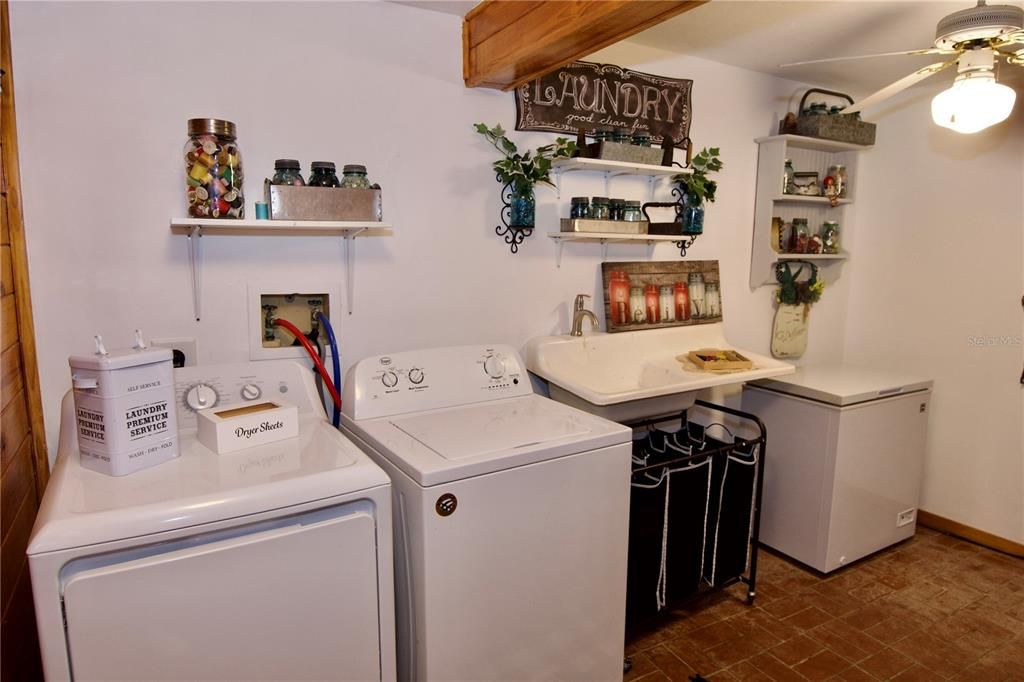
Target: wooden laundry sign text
(590,96)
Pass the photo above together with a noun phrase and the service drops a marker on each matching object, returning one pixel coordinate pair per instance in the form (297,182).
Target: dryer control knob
(494,365)
(201,397)
(416,375)
(389,379)
(251,392)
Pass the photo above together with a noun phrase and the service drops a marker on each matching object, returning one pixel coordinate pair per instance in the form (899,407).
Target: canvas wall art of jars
(647,295)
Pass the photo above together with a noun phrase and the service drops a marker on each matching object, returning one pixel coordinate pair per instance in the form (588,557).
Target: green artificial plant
(794,292)
(696,185)
(525,170)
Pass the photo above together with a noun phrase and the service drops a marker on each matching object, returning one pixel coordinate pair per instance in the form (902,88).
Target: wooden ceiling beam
(506,43)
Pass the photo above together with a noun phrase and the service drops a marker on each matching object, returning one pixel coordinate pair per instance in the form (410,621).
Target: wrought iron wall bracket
(514,234)
(686,243)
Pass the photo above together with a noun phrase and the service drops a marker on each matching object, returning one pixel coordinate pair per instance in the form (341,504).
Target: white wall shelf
(604,238)
(195,228)
(807,154)
(612,169)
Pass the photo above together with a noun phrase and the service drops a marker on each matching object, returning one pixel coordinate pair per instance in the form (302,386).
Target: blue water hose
(335,362)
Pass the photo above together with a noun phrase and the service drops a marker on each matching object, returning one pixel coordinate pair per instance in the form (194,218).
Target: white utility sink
(631,375)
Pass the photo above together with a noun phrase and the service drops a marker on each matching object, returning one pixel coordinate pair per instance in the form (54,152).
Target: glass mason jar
(667,303)
(838,173)
(693,216)
(799,236)
(682,301)
(830,237)
(323,174)
(522,205)
(617,209)
(602,134)
(213,170)
(787,177)
(636,305)
(622,136)
(631,212)
(652,303)
(712,300)
(580,208)
(618,295)
(599,208)
(642,139)
(286,172)
(696,289)
(354,177)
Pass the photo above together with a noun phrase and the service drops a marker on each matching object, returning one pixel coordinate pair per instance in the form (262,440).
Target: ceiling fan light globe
(973,104)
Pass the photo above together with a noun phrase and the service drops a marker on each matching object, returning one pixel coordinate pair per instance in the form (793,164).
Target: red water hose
(317,362)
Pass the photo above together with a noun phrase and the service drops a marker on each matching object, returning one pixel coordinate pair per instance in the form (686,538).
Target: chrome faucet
(579,314)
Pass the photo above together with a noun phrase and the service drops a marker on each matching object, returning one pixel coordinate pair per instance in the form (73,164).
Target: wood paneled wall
(23,460)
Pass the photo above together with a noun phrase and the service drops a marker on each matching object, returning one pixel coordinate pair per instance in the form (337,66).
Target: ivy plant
(525,170)
(697,186)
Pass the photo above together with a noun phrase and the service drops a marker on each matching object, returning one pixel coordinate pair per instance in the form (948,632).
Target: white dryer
(511,517)
(270,563)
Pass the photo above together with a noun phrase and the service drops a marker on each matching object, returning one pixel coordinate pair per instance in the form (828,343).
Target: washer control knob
(494,365)
(201,397)
(251,392)
(416,375)
(389,379)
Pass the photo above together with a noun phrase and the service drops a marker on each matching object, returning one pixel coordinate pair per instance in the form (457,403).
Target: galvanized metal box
(323,203)
(609,226)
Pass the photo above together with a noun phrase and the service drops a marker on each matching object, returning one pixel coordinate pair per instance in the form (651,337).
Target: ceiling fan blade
(927,50)
(902,84)
(1008,39)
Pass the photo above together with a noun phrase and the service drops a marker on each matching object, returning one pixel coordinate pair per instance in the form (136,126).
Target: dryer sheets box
(237,428)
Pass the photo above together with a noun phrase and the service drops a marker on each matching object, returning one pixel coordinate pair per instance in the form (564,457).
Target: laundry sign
(591,96)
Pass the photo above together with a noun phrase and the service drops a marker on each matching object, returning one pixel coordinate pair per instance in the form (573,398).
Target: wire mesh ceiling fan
(977,38)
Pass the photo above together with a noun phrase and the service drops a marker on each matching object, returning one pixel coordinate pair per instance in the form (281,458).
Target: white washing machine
(511,517)
(271,563)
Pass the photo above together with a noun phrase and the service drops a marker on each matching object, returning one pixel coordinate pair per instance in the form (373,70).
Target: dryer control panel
(414,381)
(205,386)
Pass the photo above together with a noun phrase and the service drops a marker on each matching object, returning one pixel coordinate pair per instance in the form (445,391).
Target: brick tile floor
(931,608)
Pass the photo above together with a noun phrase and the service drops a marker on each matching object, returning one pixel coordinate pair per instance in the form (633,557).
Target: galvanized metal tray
(609,226)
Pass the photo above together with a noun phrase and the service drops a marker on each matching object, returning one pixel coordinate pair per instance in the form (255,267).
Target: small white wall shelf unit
(807,154)
(196,228)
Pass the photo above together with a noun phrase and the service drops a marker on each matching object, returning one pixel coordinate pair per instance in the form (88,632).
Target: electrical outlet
(906,517)
(184,350)
(298,303)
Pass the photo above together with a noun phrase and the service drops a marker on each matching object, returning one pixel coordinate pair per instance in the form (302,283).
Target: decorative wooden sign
(590,96)
(655,294)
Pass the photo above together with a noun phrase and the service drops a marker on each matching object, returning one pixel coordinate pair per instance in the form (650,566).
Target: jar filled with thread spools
(213,170)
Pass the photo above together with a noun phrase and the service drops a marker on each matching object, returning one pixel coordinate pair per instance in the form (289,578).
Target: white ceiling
(760,35)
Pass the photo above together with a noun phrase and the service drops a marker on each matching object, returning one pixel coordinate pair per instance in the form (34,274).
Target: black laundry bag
(687,501)
(732,498)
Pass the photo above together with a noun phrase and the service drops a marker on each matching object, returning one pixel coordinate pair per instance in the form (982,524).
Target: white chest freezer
(844,462)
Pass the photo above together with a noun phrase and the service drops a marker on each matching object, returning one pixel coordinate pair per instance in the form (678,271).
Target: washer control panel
(204,387)
(396,383)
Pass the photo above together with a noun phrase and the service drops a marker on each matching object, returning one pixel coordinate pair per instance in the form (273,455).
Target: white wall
(937,279)
(104,91)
